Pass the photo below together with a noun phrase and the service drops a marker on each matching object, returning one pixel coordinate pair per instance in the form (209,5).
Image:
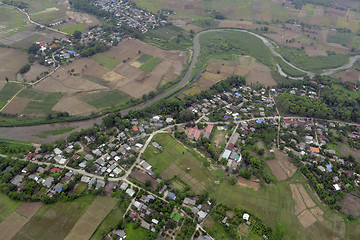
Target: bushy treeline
(88,7)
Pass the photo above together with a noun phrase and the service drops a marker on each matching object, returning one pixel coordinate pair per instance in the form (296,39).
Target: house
(288,122)
(246,216)
(315,149)
(57,151)
(321,168)
(58,187)
(194,133)
(201,215)
(130,192)
(226,154)
(189,201)
(171,195)
(48,182)
(204,237)
(145,165)
(17,180)
(135,128)
(337,187)
(124,186)
(120,233)
(85,179)
(145,225)
(208,130)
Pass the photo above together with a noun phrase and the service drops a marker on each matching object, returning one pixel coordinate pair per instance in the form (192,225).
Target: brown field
(307,199)
(2,84)
(83,18)
(237,24)
(17,220)
(11,60)
(35,71)
(91,219)
(175,170)
(280,166)
(62,81)
(74,106)
(260,74)
(348,76)
(16,106)
(351,205)
(344,150)
(243,182)
(306,219)
(189,27)
(299,203)
(142,177)
(312,51)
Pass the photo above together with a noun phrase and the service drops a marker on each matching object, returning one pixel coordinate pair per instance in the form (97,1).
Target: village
(107,159)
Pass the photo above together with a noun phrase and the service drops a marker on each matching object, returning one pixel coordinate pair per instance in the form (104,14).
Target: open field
(105,61)
(150,64)
(280,166)
(351,205)
(274,203)
(260,74)
(11,60)
(7,206)
(8,91)
(12,224)
(56,219)
(91,219)
(174,159)
(166,32)
(243,182)
(102,100)
(348,76)
(70,29)
(111,221)
(83,18)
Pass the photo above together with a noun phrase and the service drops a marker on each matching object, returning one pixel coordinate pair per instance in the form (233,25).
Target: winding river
(28,133)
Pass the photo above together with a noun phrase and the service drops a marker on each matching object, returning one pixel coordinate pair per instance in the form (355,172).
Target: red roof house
(54,169)
(135,128)
(42,44)
(194,133)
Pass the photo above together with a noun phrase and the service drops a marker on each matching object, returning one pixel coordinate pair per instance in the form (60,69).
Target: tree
(266,29)
(77,34)
(186,115)
(6,79)
(148,183)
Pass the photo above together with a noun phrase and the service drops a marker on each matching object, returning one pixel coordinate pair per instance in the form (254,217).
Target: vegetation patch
(144,58)
(108,99)
(340,37)
(105,61)
(7,206)
(73,28)
(166,32)
(8,91)
(150,64)
(39,107)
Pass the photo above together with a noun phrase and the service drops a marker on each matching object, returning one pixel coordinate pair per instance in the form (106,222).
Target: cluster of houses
(127,13)
(314,144)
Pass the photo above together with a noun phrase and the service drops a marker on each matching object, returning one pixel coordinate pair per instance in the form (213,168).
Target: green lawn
(105,61)
(174,153)
(55,220)
(8,91)
(135,234)
(7,206)
(340,38)
(108,99)
(73,28)
(143,58)
(150,64)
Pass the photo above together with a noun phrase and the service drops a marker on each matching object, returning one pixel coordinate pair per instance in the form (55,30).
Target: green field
(143,58)
(73,28)
(105,61)
(55,220)
(133,233)
(108,99)
(315,64)
(274,203)
(174,153)
(7,206)
(340,38)
(166,32)
(54,132)
(226,44)
(110,222)
(150,64)
(42,104)
(8,91)
(290,70)
(356,42)
(13,147)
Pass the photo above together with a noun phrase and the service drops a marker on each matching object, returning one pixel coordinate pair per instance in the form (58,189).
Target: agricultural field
(56,219)
(105,61)
(73,27)
(11,61)
(166,32)
(8,91)
(94,215)
(280,166)
(342,38)
(111,221)
(104,99)
(175,158)
(275,203)
(7,206)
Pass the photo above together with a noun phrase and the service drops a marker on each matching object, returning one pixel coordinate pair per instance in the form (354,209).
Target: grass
(33,94)
(175,153)
(356,42)
(55,220)
(289,70)
(226,44)
(110,222)
(102,100)
(274,203)
(340,38)
(54,132)
(7,206)
(135,233)
(299,58)
(165,33)
(150,64)
(13,148)
(44,105)
(105,61)
(143,58)
(71,29)
(8,91)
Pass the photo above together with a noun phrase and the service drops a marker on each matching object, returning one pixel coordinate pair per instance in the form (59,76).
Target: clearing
(11,60)
(280,166)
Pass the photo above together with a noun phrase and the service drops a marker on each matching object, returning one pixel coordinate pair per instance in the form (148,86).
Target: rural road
(28,133)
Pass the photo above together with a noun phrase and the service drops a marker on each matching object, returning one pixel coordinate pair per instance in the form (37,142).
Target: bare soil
(142,177)
(243,182)
(280,166)
(348,76)
(351,205)
(260,74)
(306,219)
(11,60)
(74,106)
(83,18)
(16,106)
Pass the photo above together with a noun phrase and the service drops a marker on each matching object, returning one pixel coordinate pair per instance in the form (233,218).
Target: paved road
(29,133)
